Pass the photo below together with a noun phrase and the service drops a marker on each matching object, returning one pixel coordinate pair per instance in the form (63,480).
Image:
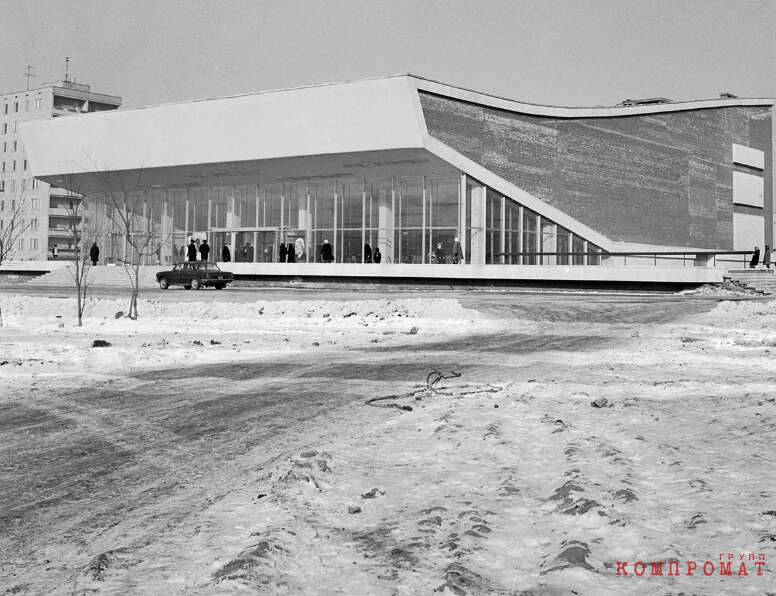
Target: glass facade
(410,219)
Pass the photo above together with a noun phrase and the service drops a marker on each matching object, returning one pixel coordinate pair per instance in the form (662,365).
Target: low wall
(539,273)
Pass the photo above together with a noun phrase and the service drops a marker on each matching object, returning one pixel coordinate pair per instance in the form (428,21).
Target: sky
(553,52)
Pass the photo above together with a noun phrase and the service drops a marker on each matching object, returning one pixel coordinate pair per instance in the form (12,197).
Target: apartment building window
(14,165)
(16,106)
(2,205)
(34,224)
(13,204)
(16,126)
(35,183)
(5,146)
(26,105)
(3,166)
(2,185)
(5,128)
(34,203)
(6,108)
(24,184)
(15,145)
(21,243)
(38,102)
(24,167)
(34,244)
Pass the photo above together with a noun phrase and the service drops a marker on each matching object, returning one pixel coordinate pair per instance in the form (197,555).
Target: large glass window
(530,237)
(494,251)
(408,216)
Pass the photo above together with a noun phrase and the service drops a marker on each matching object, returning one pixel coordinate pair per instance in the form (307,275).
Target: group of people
(438,254)
(756,257)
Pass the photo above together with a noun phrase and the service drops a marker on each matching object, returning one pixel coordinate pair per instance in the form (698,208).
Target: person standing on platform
(377,256)
(439,253)
(283,252)
(367,253)
(54,251)
(755,258)
(767,257)
(457,251)
(226,255)
(182,253)
(291,256)
(327,254)
(94,254)
(192,251)
(204,250)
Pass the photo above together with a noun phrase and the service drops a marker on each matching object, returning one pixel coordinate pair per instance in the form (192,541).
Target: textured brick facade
(664,178)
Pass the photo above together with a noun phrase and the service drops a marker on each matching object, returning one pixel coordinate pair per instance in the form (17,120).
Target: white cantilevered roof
(370,115)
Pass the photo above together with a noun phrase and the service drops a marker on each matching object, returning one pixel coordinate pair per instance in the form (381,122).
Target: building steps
(759,280)
(103,276)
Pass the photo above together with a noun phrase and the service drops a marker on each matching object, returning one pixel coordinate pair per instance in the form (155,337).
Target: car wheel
(163,283)
(195,285)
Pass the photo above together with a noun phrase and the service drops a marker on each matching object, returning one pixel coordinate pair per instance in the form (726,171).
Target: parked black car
(194,275)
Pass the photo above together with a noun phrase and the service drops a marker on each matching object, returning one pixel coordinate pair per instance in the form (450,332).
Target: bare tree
(12,226)
(134,215)
(82,236)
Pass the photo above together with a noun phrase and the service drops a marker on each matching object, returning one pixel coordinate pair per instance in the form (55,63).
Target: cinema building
(644,190)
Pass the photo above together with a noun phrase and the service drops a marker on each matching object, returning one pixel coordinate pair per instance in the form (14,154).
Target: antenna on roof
(67,69)
(29,74)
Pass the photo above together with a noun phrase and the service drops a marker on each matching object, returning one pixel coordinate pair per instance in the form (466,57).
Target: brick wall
(657,178)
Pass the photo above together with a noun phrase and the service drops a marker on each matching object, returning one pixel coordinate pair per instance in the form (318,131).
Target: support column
(503,234)
(363,219)
(478,226)
(462,231)
(385,225)
(423,256)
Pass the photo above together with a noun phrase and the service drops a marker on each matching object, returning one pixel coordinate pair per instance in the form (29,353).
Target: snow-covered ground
(415,445)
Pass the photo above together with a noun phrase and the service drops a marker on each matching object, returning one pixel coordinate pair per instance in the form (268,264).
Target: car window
(177,267)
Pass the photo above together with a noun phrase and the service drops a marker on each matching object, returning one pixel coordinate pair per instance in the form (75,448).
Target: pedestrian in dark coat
(226,255)
(327,254)
(94,253)
(755,258)
(192,251)
(204,250)
(182,254)
(377,256)
(767,257)
(367,253)
(291,256)
(283,251)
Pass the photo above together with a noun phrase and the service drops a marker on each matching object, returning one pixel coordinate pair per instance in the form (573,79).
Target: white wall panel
(748,231)
(749,157)
(748,189)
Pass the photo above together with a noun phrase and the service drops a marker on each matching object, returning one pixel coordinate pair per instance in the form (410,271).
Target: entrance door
(266,246)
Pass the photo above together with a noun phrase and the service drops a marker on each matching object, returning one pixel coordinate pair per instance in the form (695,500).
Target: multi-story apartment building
(45,209)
